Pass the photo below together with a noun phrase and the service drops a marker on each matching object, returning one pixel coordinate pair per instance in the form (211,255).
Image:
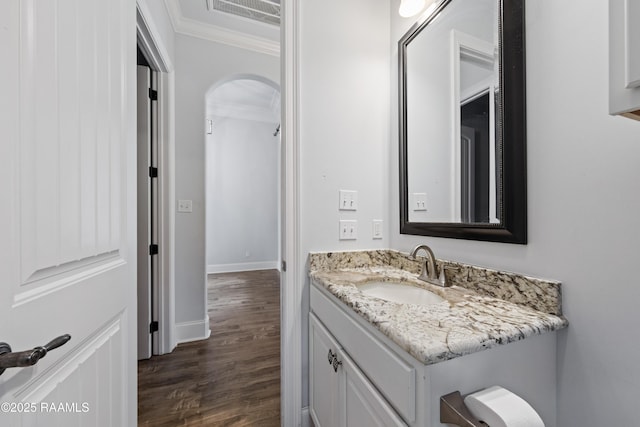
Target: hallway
(231,379)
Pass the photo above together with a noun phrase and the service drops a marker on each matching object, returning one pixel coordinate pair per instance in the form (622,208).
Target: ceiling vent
(266,11)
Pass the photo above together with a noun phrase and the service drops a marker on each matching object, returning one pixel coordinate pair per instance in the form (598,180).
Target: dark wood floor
(231,379)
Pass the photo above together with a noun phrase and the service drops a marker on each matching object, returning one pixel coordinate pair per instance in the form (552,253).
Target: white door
(147,234)
(67,210)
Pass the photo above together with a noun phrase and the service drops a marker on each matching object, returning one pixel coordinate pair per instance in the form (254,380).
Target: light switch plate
(348,200)
(377,229)
(185,206)
(348,229)
(419,202)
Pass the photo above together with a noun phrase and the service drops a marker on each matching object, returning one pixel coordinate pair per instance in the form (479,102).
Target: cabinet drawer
(392,376)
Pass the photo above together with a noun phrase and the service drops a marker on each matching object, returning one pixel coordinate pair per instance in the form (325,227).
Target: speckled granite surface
(482,309)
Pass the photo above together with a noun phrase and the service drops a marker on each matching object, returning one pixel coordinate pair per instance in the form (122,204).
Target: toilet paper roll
(498,407)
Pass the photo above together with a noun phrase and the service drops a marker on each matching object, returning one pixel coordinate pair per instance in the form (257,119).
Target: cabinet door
(323,379)
(363,405)
(624,58)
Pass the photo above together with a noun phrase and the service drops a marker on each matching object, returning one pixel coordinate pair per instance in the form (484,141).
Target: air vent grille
(267,11)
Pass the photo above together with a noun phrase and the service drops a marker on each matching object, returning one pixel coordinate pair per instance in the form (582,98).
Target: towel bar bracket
(454,411)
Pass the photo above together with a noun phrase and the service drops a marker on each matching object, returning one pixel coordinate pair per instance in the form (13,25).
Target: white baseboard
(242,266)
(306,418)
(193,331)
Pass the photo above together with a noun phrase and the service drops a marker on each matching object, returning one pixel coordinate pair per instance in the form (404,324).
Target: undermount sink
(399,293)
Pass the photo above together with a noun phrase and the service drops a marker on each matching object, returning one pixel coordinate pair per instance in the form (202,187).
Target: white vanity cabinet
(340,394)
(377,383)
(624,58)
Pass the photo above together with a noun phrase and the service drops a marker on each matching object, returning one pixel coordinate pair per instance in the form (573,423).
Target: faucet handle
(441,277)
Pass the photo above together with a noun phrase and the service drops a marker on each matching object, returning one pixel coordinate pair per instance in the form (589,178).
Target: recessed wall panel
(86,384)
(69,131)
(71,135)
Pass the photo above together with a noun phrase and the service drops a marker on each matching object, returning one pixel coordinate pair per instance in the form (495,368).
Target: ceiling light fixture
(409,8)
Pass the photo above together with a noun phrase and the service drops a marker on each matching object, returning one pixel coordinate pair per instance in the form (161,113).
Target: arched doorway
(242,175)
(243,254)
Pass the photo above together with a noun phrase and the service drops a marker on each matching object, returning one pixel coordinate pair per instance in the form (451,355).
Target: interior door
(67,215)
(145,271)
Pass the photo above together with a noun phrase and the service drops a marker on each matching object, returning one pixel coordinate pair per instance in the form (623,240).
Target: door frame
(293,279)
(154,50)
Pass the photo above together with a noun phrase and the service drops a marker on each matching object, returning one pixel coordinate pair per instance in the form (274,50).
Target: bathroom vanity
(376,361)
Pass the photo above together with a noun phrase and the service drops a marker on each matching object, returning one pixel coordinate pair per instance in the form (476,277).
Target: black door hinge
(153,327)
(153,249)
(284,265)
(153,95)
(153,172)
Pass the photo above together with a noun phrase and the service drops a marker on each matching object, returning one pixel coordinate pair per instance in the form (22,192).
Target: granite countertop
(483,308)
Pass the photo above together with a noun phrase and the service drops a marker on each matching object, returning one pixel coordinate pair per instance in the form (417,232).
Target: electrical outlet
(348,200)
(348,229)
(377,229)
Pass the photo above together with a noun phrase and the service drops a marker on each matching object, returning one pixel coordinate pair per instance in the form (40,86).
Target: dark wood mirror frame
(513,225)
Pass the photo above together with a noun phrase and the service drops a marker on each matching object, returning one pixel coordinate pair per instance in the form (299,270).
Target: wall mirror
(462,122)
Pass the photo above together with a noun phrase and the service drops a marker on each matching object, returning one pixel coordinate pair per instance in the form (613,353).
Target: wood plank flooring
(231,379)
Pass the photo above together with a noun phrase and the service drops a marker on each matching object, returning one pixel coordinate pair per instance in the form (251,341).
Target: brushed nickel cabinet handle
(331,356)
(336,363)
(9,359)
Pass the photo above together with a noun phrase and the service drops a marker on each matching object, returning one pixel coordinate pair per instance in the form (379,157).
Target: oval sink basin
(399,293)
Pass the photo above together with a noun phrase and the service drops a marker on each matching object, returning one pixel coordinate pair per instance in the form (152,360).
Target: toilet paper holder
(454,411)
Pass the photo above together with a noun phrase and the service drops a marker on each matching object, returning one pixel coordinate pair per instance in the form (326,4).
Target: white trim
(193,331)
(306,417)
(463,44)
(242,266)
(103,264)
(292,280)
(151,43)
(166,214)
(214,33)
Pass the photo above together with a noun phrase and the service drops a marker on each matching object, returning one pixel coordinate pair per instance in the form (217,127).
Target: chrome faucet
(429,272)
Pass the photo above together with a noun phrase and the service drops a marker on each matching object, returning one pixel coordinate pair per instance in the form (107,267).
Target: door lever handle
(9,359)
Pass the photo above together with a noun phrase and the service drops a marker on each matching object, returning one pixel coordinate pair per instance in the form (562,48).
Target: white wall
(344,126)
(583,202)
(242,195)
(199,65)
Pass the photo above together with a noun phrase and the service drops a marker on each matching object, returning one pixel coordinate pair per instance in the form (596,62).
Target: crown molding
(214,33)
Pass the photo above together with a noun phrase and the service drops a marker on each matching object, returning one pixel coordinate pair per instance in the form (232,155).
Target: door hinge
(153,172)
(153,249)
(284,265)
(153,95)
(153,327)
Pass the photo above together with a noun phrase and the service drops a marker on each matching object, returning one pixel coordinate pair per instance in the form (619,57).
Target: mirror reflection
(452,127)
(462,122)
